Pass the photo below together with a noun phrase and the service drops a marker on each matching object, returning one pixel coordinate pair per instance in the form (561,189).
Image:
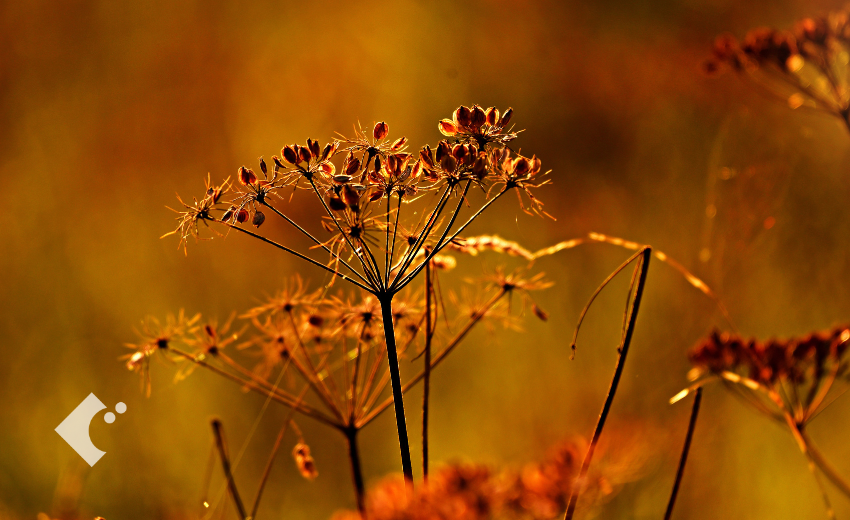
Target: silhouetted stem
(356,470)
(225,463)
(395,380)
(643,266)
(426,389)
(684,458)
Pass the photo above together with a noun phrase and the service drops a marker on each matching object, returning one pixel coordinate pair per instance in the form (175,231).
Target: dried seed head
(259,218)
(478,117)
(246,176)
(427,156)
(327,168)
(462,116)
(443,149)
(352,164)
(289,155)
(447,127)
(381,130)
(479,167)
(506,118)
(336,203)
(326,151)
(399,144)
(304,461)
(520,166)
(492,114)
(459,152)
(540,313)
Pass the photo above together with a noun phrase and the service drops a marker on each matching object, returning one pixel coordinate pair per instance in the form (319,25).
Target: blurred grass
(107,109)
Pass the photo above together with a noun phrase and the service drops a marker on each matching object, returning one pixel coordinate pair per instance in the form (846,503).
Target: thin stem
(272,455)
(643,267)
(426,388)
(299,255)
(411,253)
(225,463)
(356,470)
(824,465)
(392,244)
(316,241)
(395,379)
(312,376)
(684,458)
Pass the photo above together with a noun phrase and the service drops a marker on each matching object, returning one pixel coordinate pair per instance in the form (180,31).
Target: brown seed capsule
(228,214)
(351,195)
(336,203)
(492,114)
(316,320)
(289,155)
(447,127)
(263,167)
(443,149)
(277,164)
(326,151)
(416,171)
(399,144)
(258,219)
(459,151)
(520,166)
(352,165)
(506,118)
(462,116)
(246,176)
(314,147)
(427,156)
(479,167)
(304,461)
(327,168)
(377,194)
(242,216)
(478,117)
(540,313)
(304,153)
(380,131)
(448,163)
(342,179)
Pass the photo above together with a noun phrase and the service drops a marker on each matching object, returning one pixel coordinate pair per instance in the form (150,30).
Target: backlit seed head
(479,167)
(506,118)
(478,117)
(326,151)
(381,130)
(459,151)
(399,144)
(427,156)
(259,218)
(492,114)
(290,155)
(462,116)
(447,127)
(327,168)
(277,164)
(352,165)
(246,176)
(520,166)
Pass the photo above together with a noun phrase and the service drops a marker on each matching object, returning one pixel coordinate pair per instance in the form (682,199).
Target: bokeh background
(109,108)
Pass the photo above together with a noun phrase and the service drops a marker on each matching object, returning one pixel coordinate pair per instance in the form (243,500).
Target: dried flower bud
(447,127)
(336,203)
(304,461)
(506,118)
(377,194)
(246,176)
(381,130)
(520,166)
(327,168)
(326,151)
(478,117)
(314,147)
(258,219)
(448,163)
(399,144)
(242,216)
(289,155)
(492,114)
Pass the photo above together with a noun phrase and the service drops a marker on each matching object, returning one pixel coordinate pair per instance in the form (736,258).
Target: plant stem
(426,388)
(643,266)
(356,470)
(684,458)
(395,378)
(225,463)
(824,465)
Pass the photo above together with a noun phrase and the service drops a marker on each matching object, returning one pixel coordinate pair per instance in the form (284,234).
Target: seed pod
(304,461)
(326,151)
(316,320)
(462,116)
(416,171)
(259,218)
(351,195)
(263,167)
(540,313)
(427,156)
(506,118)
(342,179)
(492,114)
(447,127)
(228,214)
(478,117)
(479,167)
(242,216)
(399,144)
(327,168)
(448,163)
(290,155)
(352,165)
(336,203)
(314,147)
(277,164)
(392,165)
(535,166)
(377,194)
(304,153)
(520,166)
(380,131)
(443,149)
(459,152)
(246,176)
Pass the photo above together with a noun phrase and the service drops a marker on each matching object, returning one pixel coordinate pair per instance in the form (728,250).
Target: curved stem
(642,267)
(395,379)
(684,458)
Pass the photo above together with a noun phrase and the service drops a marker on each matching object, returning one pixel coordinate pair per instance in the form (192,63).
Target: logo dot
(120,407)
(109,417)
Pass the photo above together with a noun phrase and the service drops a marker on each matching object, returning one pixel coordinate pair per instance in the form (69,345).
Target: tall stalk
(426,385)
(386,301)
(356,470)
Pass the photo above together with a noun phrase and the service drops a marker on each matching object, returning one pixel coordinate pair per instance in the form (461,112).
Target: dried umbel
(806,67)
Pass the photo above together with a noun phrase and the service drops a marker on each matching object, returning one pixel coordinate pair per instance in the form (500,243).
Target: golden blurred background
(109,108)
